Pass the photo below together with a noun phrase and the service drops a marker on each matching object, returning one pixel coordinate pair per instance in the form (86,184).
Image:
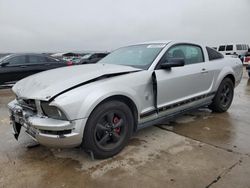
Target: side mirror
(4,64)
(173,62)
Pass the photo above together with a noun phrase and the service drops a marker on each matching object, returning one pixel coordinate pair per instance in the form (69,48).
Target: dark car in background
(92,58)
(14,67)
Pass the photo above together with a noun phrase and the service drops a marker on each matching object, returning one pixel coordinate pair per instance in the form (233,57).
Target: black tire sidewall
(89,141)
(216,105)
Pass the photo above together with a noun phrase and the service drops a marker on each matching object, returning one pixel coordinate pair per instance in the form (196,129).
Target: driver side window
(190,53)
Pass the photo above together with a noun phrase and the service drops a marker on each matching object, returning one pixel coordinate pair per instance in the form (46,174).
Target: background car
(92,58)
(17,66)
(239,50)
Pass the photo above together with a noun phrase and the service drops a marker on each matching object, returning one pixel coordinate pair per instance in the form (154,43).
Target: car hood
(50,84)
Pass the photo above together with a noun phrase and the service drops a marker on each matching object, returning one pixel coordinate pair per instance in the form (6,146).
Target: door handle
(204,71)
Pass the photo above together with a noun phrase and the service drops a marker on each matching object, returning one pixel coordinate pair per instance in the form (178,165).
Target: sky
(81,25)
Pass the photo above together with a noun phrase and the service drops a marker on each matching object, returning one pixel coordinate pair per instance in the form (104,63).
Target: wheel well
(128,102)
(231,77)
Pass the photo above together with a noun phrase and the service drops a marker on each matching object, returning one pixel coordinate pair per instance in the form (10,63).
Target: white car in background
(234,50)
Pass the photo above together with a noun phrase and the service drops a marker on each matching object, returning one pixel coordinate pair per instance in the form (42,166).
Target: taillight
(69,63)
(247,59)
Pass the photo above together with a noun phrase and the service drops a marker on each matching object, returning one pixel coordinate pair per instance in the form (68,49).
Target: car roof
(36,54)
(156,42)
(23,54)
(166,42)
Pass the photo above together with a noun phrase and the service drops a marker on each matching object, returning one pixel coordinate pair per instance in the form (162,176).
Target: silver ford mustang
(99,106)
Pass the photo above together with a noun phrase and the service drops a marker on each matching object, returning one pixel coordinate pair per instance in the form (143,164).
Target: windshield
(139,56)
(4,57)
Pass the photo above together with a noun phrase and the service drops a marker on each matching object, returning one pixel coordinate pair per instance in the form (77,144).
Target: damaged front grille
(63,132)
(28,104)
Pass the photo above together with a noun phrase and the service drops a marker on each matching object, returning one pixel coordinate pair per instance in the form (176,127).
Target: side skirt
(170,116)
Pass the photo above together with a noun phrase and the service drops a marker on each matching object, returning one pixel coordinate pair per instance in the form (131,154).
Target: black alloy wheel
(224,96)
(108,129)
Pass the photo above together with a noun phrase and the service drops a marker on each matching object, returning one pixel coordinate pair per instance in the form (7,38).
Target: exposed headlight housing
(52,111)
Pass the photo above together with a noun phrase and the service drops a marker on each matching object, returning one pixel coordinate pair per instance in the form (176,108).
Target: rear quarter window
(35,59)
(213,54)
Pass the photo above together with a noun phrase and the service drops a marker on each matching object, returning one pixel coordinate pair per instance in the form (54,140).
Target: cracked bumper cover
(44,130)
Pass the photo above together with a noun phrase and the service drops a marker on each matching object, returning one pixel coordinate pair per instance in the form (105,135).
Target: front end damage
(47,124)
(46,131)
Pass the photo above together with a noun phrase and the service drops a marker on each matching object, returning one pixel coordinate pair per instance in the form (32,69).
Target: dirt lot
(199,149)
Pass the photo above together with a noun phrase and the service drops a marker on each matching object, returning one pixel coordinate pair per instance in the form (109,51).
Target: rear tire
(224,96)
(108,129)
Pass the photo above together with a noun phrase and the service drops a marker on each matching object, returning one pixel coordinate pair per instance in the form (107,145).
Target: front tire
(108,129)
(224,96)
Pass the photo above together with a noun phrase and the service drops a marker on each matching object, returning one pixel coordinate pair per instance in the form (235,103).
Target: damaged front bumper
(44,130)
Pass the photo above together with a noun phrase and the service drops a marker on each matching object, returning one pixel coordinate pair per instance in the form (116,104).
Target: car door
(180,84)
(14,69)
(38,63)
